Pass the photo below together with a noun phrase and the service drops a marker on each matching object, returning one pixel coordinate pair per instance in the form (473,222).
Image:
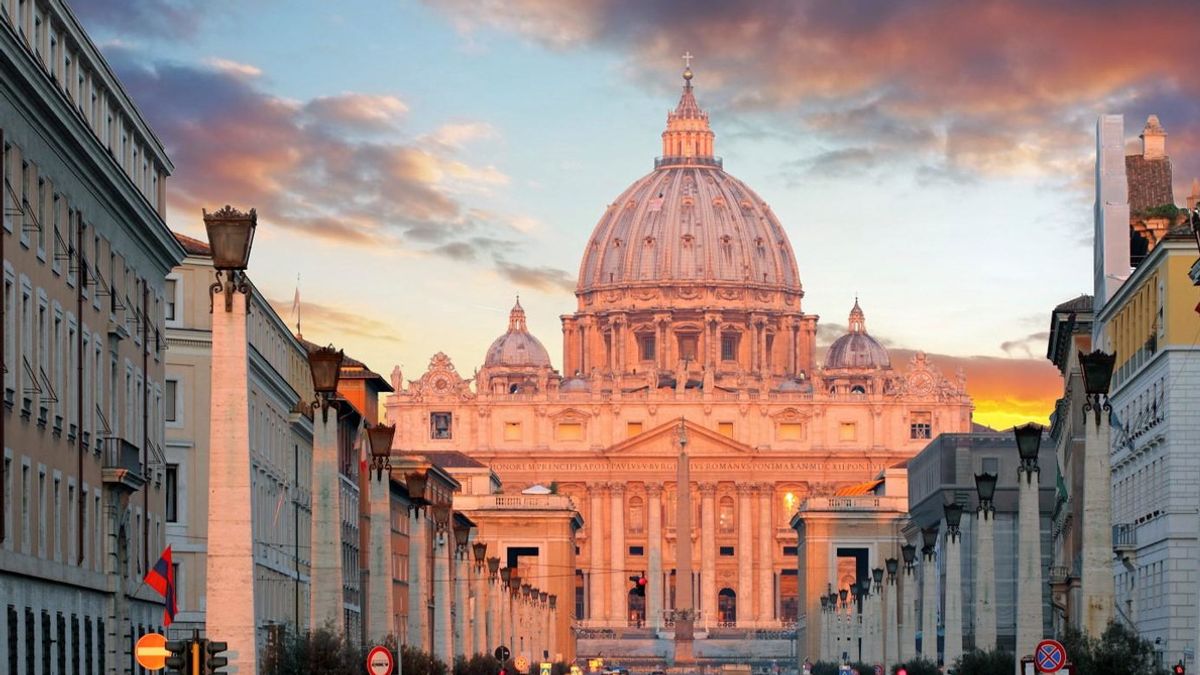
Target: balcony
(122,467)
(1124,539)
(660,162)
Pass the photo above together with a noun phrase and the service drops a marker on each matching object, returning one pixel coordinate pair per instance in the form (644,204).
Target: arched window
(858,389)
(726,607)
(636,515)
(725,514)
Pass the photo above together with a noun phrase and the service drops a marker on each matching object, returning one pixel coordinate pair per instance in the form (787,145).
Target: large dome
(688,221)
(857,349)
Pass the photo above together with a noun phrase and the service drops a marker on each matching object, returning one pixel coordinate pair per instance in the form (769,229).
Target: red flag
(161,578)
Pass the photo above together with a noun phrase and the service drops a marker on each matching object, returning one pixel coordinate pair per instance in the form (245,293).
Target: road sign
(576,670)
(1049,657)
(522,664)
(544,667)
(380,661)
(878,669)
(502,653)
(151,651)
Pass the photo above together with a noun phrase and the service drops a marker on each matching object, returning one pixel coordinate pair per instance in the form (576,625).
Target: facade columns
(708,552)
(230,559)
(462,595)
(596,609)
(618,606)
(985,578)
(746,557)
(443,638)
(929,599)
(891,635)
(327,595)
(418,591)
(379,582)
(1096,582)
(654,577)
(1029,562)
(766,557)
(908,615)
(480,613)
(953,648)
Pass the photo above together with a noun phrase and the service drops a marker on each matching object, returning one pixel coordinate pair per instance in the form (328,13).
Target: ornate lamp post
(1096,579)
(230,237)
(380,437)
(985,565)
(462,589)
(443,639)
(419,589)
(876,623)
(380,609)
(1029,541)
(891,636)
(908,615)
(953,646)
(826,614)
(230,565)
(504,610)
(864,618)
(479,616)
(929,594)
(493,639)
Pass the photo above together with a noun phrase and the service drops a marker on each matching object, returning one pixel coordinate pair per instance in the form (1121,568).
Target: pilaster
(708,552)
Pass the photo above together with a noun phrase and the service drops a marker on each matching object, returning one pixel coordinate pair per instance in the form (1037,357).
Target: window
(169,295)
(791,551)
(632,429)
(440,425)
(687,347)
(729,346)
(512,431)
(569,431)
(920,426)
(789,431)
(727,551)
(172,490)
(646,347)
(847,431)
(637,551)
(725,429)
(725,521)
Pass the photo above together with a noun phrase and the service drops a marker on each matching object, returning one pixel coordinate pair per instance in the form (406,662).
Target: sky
(416,165)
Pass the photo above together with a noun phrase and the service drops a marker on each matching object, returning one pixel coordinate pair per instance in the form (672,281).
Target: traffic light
(215,660)
(639,584)
(177,663)
(902,671)
(1179,669)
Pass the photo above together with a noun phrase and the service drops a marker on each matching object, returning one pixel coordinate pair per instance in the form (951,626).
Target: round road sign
(151,651)
(522,664)
(502,653)
(380,661)
(878,669)
(1049,657)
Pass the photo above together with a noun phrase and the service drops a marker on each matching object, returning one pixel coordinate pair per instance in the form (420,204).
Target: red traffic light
(641,581)
(901,671)
(1179,669)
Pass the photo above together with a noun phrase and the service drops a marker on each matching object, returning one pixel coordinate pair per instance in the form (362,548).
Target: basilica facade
(690,314)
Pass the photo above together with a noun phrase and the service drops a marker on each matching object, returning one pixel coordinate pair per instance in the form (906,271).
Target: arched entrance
(726,607)
(636,608)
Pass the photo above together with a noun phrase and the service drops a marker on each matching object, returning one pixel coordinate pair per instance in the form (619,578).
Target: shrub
(992,662)
(920,666)
(1119,650)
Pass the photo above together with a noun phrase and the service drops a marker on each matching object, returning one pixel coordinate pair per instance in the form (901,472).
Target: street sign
(878,669)
(151,651)
(502,654)
(544,667)
(522,664)
(1049,657)
(380,661)
(576,670)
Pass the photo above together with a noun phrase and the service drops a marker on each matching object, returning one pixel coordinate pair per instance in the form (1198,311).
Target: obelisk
(684,611)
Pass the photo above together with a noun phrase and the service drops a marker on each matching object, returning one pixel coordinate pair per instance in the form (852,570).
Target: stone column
(481,615)
(708,552)
(1096,581)
(766,554)
(654,576)
(985,578)
(552,631)
(462,591)
(230,559)
(418,594)
(875,623)
(326,575)
(953,647)
(746,555)
(618,605)
(1029,563)
(827,649)
(908,615)
(379,581)
(596,609)
(891,634)
(443,637)
(503,616)
(494,626)
(929,601)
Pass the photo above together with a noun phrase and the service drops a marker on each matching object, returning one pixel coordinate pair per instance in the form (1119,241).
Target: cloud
(1008,87)
(1027,344)
(233,67)
(338,168)
(328,320)
(549,279)
(156,19)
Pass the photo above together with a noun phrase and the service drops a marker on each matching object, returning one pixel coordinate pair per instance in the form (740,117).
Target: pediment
(663,441)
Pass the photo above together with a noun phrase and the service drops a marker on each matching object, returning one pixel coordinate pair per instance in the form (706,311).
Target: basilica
(690,316)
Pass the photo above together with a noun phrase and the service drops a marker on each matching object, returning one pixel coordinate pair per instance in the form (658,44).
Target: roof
(193,246)
(352,369)
(452,459)
(859,489)
(1083,303)
(1149,183)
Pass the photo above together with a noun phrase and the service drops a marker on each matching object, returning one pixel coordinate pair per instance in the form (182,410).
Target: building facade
(689,307)
(281,442)
(85,253)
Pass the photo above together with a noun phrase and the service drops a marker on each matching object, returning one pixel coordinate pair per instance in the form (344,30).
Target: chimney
(1154,139)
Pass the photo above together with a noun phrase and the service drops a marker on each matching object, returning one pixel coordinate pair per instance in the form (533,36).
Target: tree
(920,666)
(321,651)
(1119,650)
(993,662)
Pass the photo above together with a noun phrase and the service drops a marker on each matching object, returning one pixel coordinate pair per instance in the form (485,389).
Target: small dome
(517,347)
(857,349)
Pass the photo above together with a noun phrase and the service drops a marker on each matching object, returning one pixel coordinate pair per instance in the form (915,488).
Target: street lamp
(877,575)
(929,537)
(230,236)
(479,548)
(462,538)
(953,512)
(985,568)
(493,564)
(909,553)
(1029,442)
(1097,369)
(893,565)
(416,482)
(380,437)
(326,366)
(505,574)
(441,517)
(985,486)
